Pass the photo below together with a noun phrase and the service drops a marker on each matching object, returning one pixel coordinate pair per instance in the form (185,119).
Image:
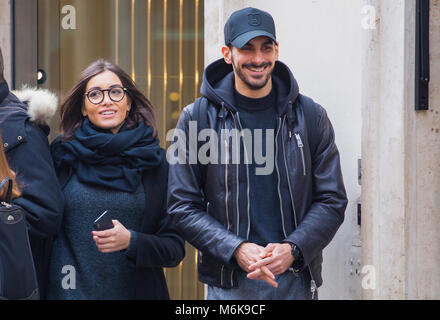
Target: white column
(216,14)
(401,159)
(423,175)
(5,36)
(383,152)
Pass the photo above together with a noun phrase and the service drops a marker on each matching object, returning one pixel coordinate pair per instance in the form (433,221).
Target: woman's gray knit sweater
(78,270)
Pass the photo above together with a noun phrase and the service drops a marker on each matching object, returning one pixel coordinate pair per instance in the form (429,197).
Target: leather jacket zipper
(221,275)
(200,252)
(226,183)
(301,148)
(226,175)
(247,185)
(226,186)
(313,287)
(238,188)
(280,121)
(288,180)
(2,275)
(227,198)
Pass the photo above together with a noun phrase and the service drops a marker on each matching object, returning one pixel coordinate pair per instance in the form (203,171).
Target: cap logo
(254,19)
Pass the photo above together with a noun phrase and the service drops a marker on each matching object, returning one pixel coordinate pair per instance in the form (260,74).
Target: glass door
(158,42)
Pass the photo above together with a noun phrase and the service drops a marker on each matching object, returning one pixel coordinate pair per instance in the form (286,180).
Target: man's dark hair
(1,66)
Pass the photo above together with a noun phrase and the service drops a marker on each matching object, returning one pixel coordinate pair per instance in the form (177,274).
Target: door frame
(24,43)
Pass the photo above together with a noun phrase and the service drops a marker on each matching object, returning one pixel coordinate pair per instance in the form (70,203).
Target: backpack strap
(200,114)
(201,110)
(310,116)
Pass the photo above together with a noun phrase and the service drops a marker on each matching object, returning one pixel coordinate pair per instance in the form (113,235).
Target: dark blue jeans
(291,286)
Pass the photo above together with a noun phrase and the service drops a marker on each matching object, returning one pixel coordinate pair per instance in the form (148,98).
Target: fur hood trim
(42,104)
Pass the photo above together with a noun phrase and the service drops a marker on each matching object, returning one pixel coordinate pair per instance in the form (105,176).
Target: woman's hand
(111,240)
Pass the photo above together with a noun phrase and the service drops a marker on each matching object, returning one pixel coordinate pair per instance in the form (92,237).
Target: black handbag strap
(9,191)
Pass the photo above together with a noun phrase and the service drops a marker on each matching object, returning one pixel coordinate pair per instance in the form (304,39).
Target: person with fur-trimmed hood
(24,130)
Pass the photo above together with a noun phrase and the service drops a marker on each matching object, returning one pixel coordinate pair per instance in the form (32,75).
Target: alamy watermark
(233,146)
(68,21)
(368,273)
(68,282)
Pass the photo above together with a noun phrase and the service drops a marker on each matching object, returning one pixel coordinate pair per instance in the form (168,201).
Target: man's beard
(249,84)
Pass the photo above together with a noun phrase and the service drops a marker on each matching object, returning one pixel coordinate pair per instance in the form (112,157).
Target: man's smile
(258,70)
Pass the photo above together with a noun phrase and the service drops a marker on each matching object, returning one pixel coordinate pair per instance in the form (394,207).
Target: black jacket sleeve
(41,196)
(165,248)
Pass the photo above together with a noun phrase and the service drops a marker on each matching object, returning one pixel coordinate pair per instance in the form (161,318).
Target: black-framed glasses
(96,96)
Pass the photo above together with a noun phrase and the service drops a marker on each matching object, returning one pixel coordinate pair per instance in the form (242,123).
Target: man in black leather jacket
(24,133)
(254,220)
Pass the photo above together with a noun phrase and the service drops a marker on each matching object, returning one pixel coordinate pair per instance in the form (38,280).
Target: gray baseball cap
(248,23)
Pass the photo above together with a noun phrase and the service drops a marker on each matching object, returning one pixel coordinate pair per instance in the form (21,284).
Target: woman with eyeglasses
(108,158)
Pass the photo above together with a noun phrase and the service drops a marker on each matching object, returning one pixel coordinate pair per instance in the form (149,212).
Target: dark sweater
(97,275)
(266,224)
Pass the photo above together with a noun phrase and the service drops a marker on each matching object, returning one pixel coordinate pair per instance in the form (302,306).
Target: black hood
(218,85)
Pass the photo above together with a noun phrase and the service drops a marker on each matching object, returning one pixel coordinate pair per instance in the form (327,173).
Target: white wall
(384,190)
(5,36)
(320,40)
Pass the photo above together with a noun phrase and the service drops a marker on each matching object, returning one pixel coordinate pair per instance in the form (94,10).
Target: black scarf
(102,158)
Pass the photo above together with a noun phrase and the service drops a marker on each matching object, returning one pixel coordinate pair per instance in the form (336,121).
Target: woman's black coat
(158,243)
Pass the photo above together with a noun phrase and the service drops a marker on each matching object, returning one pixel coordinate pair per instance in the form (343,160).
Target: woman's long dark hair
(71,117)
(6,172)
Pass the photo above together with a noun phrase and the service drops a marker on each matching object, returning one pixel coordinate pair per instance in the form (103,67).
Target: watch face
(295,252)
